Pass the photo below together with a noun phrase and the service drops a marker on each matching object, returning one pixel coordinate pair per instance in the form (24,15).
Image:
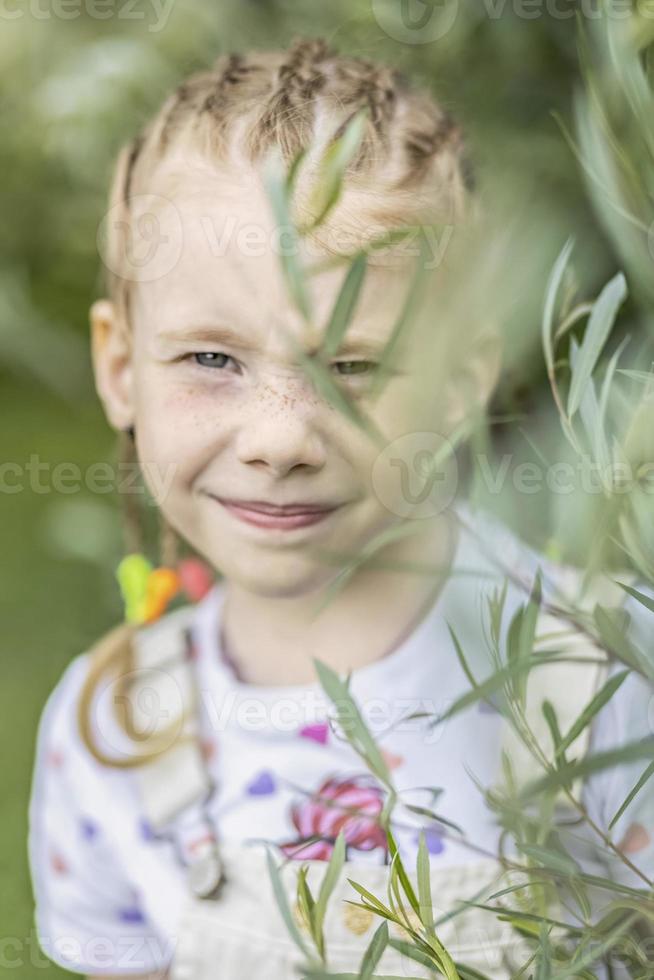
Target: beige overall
(239,933)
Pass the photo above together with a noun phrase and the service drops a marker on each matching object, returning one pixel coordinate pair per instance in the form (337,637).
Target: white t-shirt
(109,892)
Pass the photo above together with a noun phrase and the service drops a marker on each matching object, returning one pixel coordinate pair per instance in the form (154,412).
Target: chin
(279,576)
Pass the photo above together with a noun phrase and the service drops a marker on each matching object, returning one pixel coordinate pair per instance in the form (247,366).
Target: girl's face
(222,407)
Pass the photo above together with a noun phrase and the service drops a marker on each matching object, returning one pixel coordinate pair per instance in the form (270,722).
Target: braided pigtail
(112,660)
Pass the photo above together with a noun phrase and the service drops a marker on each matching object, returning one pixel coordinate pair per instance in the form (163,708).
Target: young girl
(155,864)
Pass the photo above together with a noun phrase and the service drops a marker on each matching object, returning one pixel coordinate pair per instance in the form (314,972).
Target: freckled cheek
(181,422)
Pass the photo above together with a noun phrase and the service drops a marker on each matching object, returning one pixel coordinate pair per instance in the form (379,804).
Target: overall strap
(165,694)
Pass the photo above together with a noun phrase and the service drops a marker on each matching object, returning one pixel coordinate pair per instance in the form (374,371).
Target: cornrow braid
(288,116)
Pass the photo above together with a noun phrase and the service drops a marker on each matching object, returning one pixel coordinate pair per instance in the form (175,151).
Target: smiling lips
(263,514)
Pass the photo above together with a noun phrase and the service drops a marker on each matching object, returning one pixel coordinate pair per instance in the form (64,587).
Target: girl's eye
(211,359)
(355,367)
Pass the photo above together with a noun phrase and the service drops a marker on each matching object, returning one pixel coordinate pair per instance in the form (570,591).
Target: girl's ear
(111,348)
(472,385)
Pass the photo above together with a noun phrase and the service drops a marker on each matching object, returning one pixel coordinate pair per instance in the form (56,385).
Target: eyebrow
(350,344)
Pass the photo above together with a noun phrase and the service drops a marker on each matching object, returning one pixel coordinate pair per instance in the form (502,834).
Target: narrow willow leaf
(409,308)
(552,723)
(595,762)
(590,415)
(344,306)
(332,875)
(551,859)
(411,952)
(337,691)
(378,908)
(645,600)
(595,952)
(496,681)
(275,180)
(637,788)
(401,873)
(374,952)
(461,658)
(423,869)
(306,903)
(424,811)
(613,636)
(592,708)
(319,373)
(282,904)
(551,294)
(595,336)
(544,955)
(467,973)
(332,167)
(607,383)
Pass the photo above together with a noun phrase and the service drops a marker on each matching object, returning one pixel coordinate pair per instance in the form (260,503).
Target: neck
(271,641)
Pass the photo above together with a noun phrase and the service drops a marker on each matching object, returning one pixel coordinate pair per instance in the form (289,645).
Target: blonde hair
(410,162)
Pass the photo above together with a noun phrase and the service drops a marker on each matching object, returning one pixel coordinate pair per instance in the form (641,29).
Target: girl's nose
(280,433)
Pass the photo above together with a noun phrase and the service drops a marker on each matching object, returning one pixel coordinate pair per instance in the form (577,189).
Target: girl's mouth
(285,520)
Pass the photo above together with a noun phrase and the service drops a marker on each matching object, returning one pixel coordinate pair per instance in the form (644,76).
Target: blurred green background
(77,81)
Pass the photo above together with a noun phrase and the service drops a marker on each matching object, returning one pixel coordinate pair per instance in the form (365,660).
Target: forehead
(223,256)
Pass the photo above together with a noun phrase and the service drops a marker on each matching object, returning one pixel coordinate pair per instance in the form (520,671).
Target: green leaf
(551,294)
(344,306)
(461,658)
(637,788)
(612,635)
(424,885)
(595,336)
(331,170)
(644,600)
(550,859)
(282,904)
(595,704)
(374,952)
(332,875)
(360,739)
(410,307)
(401,873)
(319,373)
(276,185)
(590,763)
(552,723)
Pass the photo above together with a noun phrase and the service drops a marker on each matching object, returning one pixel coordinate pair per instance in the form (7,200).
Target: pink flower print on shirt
(352,805)
(317,732)
(208,748)
(391,760)
(58,863)
(55,758)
